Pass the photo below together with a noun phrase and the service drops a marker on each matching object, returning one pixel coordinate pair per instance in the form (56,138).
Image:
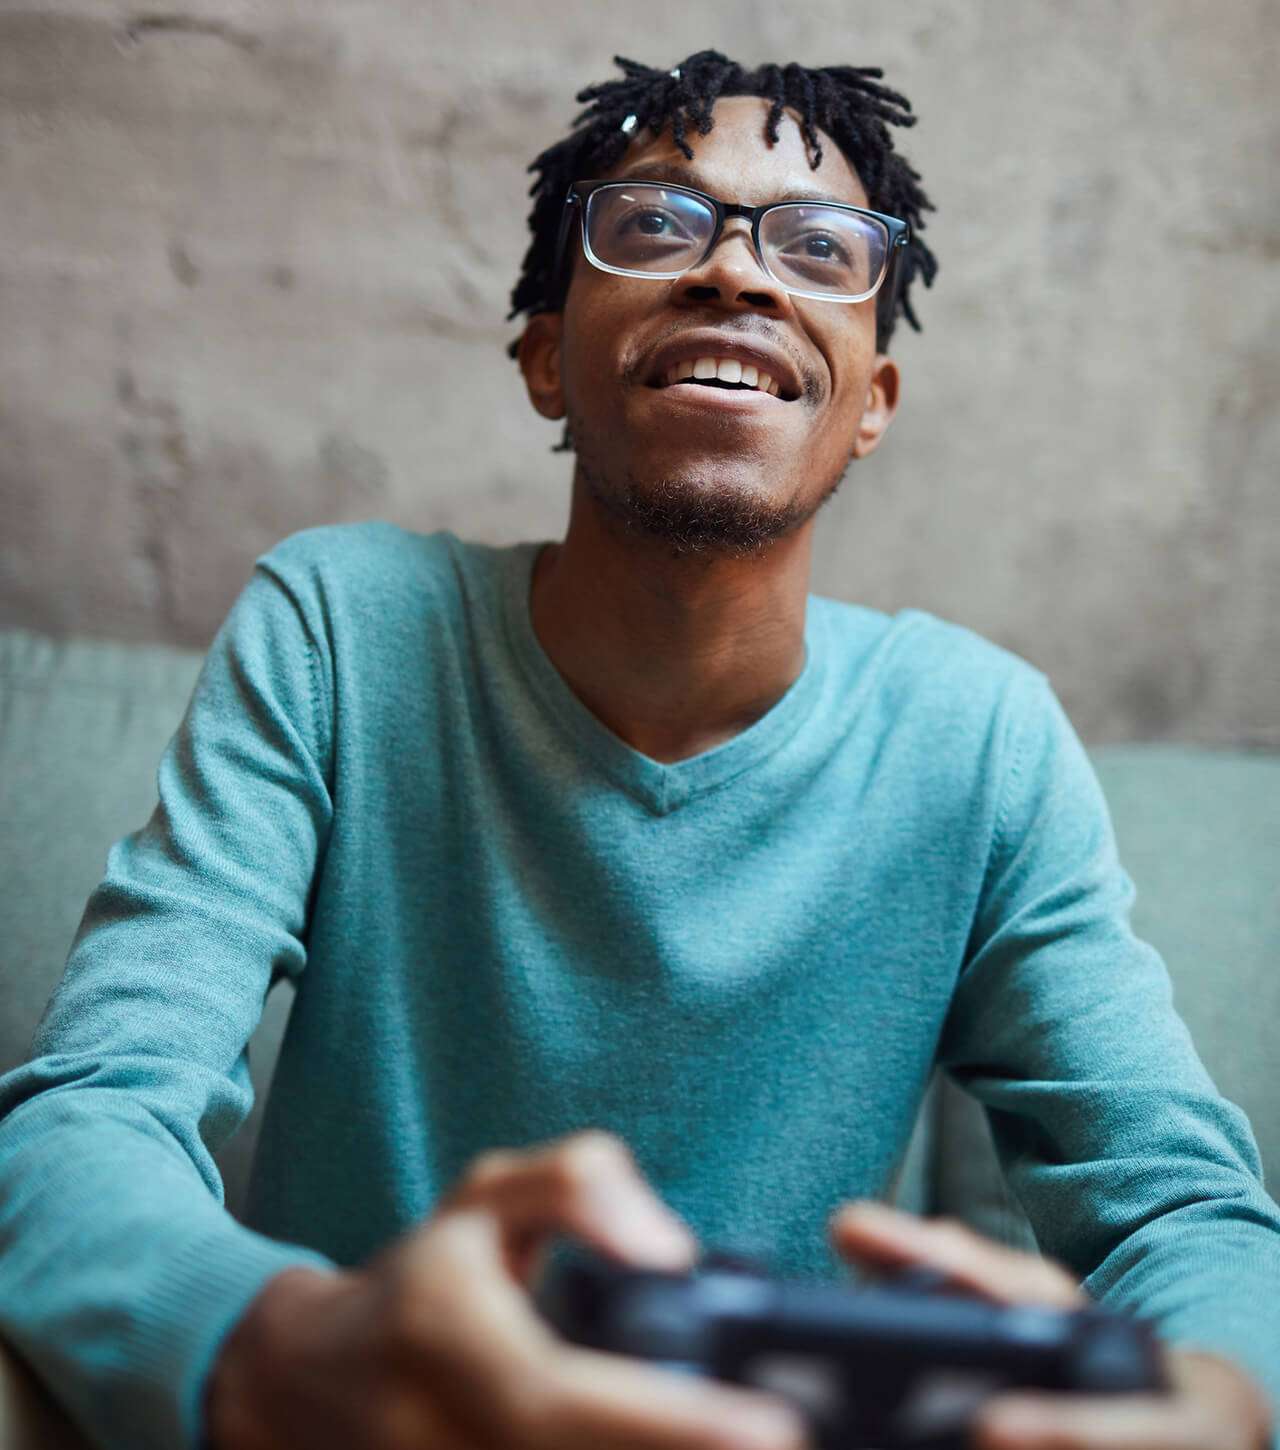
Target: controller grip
(897,1367)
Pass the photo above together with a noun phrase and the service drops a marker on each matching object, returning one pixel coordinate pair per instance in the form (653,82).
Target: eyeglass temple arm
(897,264)
(561,258)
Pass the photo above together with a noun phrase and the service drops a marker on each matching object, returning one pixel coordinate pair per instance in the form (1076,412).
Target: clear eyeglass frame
(580,192)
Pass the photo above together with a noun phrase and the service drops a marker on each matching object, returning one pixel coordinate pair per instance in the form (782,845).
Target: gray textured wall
(255,260)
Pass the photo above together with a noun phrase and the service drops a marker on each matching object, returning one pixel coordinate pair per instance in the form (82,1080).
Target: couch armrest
(29,1419)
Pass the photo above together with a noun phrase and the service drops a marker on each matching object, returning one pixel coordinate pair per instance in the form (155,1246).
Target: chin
(695,514)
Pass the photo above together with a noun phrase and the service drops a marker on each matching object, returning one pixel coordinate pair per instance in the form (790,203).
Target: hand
(435,1345)
(1213,1405)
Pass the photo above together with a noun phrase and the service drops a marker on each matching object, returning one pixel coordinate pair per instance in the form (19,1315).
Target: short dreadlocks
(842,100)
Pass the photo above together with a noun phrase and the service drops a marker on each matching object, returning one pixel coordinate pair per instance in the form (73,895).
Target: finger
(603,1399)
(587,1185)
(1090,1422)
(506,1369)
(875,1235)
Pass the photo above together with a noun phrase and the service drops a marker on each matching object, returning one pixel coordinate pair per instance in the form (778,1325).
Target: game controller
(886,1365)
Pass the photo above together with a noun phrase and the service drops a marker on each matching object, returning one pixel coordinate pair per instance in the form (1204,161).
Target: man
(631,892)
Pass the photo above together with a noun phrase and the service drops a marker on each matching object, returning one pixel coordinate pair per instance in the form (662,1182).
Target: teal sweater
(505,924)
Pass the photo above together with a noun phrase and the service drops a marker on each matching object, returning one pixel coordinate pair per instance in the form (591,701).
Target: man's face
(708,466)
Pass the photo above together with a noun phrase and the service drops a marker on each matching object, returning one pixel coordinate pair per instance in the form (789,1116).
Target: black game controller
(885,1366)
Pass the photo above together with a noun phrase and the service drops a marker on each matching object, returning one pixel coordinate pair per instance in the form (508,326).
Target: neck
(673,653)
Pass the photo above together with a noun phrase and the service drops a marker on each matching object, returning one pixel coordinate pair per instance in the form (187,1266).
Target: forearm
(1208,1283)
(119,1272)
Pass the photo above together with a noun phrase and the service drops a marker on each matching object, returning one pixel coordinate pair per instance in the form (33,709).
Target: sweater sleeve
(1131,1167)
(120,1269)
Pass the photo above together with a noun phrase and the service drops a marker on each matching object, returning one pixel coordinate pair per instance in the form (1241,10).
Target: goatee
(696,516)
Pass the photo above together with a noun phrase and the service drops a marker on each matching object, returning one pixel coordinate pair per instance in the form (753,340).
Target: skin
(677,652)
(434,1343)
(1211,1405)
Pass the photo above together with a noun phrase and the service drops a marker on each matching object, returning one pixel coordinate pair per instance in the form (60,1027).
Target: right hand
(435,1343)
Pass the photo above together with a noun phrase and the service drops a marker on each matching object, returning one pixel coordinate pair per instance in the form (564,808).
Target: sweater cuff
(195,1301)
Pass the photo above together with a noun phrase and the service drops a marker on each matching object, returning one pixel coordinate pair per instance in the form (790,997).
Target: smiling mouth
(715,393)
(713,383)
(725,374)
(711,386)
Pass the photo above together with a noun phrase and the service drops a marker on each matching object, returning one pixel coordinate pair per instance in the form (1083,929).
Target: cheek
(843,351)
(853,373)
(589,358)
(839,411)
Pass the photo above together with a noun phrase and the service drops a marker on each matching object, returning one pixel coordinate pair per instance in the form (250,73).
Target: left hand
(1212,1406)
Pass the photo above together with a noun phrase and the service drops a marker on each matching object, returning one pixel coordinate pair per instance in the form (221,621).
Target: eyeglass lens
(807,246)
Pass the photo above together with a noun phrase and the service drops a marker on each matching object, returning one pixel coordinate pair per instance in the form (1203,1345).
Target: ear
(538,352)
(881,405)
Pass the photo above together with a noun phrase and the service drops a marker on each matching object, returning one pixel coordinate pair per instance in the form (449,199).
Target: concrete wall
(255,260)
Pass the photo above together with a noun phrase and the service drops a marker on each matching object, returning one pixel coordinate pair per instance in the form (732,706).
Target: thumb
(878,1237)
(587,1185)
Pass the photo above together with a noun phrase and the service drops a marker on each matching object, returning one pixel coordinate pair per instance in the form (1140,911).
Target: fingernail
(867,1211)
(1012,1424)
(768,1428)
(662,1242)
(643,1231)
(675,1248)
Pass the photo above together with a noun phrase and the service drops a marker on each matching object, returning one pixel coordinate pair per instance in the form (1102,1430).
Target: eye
(652,222)
(821,247)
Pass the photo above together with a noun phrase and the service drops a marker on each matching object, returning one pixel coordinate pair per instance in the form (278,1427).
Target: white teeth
(726,370)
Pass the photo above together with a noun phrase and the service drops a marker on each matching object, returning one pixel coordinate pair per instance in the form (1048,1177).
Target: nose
(732,275)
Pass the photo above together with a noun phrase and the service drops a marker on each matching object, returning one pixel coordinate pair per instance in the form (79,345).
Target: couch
(82,727)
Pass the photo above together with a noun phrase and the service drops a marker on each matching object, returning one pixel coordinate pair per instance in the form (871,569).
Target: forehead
(737,161)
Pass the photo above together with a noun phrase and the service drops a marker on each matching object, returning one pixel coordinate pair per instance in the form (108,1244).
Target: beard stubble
(694,516)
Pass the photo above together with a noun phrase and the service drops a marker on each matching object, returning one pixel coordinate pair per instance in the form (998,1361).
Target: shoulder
(1002,713)
(968,725)
(915,667)
(346,556)
(381,602)
(936,649)
(353,575)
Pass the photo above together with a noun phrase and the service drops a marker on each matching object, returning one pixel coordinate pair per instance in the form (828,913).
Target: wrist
(245,1378)
(1237,1397)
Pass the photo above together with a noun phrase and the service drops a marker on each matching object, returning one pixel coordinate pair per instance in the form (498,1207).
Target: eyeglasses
(826,250)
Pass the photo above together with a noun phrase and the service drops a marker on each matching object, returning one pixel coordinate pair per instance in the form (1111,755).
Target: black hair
(844,101)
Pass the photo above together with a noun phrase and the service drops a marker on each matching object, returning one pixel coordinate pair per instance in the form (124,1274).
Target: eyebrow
(679,176)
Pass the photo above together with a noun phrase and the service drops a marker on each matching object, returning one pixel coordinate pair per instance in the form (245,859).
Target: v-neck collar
(660,786)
